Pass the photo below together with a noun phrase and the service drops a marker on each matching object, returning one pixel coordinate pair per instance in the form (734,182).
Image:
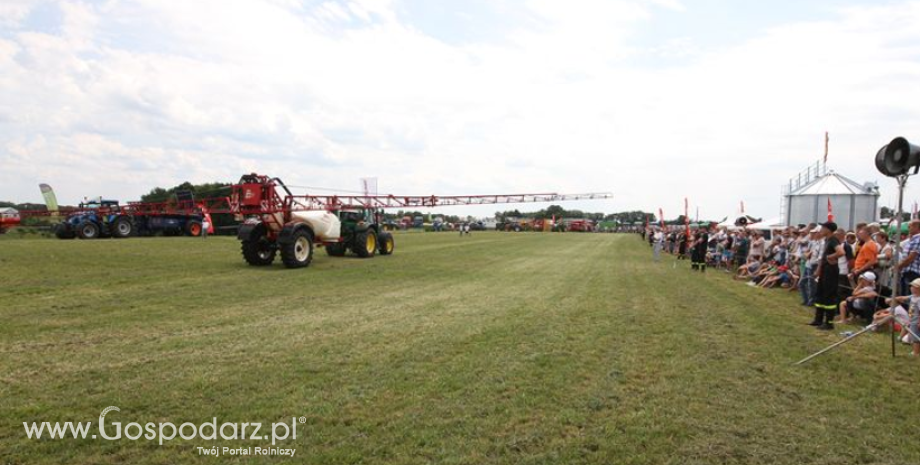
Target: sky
(717,101)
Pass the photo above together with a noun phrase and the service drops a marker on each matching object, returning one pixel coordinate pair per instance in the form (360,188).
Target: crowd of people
(846,276)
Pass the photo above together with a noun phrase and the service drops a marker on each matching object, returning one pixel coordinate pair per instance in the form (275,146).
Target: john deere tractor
(362,234)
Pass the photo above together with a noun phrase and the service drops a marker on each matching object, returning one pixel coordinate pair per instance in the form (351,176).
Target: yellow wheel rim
(371,243)
(389,245)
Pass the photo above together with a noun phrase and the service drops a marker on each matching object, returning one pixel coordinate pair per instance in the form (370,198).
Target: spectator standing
(742,246)
(700,246)
(910,265)
(658,244)
(885,257)
(867,256)
(757,246)
(845,286)
(813,260)
(828,278)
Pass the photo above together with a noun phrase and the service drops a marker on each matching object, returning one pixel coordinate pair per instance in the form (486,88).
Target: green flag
(50,198)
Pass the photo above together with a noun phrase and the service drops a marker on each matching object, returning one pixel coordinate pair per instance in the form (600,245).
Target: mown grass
(497,348)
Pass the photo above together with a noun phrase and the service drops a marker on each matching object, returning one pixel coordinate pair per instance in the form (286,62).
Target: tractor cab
(356,217)
(98,204)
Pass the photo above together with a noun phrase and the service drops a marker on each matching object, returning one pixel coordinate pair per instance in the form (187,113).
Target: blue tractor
(95,219)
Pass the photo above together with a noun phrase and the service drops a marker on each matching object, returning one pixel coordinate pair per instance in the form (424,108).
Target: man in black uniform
(828,275)
(682,240)
(700,246)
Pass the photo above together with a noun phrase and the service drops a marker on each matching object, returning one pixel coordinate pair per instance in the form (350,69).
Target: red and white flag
(830,210)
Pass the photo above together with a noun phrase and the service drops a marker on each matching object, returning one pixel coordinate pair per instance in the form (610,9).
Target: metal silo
(852,202)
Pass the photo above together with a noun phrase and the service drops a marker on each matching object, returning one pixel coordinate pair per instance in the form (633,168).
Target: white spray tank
(326,226)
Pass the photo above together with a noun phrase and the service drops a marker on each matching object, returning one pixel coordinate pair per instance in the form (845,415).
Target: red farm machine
(9,218)
(277,221)
(106,218)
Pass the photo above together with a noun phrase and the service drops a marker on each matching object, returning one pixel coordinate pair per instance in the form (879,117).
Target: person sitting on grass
(913,302)
(863,301)
(747,270)
(765,271)
(780,276)
(900,321)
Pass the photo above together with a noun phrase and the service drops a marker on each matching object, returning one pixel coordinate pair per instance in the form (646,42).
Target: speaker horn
(898,158)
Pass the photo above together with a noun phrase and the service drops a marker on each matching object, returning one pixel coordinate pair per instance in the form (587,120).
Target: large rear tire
(122,227)
(88,230)
(365,245)
(298,252)
(387,244)
(193,228)
(258,251)
(336,250)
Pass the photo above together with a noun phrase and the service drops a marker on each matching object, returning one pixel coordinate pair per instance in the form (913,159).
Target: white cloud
(13,12)
(130,95)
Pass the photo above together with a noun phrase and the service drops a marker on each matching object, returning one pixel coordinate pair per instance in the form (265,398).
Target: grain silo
(806,201)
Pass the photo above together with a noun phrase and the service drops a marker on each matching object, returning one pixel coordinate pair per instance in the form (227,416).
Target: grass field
(497,348)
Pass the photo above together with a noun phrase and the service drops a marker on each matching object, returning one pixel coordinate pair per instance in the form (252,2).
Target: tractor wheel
(336,250)
(298,253)
(193,228)
(122,227)
(387,244)
(365,245)
(259,251)
(88,230)
(62,231)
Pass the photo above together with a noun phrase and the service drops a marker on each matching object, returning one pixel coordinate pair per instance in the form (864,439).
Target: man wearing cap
(828,277)
(863,301)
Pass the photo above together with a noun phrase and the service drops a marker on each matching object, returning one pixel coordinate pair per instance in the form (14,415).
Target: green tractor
(362,234)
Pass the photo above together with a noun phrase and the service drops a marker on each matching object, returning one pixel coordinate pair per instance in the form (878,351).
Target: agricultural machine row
(277,222)
(273,220)
(101,218)
(544,225)
(106,218)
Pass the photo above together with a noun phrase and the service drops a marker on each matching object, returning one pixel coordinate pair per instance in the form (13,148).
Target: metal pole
(848,339)
(881,322)
(902,184)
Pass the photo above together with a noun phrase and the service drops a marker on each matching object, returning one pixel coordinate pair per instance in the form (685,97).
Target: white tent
(768,224)
(731,221)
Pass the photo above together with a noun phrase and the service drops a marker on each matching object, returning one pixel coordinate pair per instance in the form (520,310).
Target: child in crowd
(863,301)
(913,305)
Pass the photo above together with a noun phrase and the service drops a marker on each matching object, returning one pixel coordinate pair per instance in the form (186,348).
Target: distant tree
(889,213)
(224,223)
